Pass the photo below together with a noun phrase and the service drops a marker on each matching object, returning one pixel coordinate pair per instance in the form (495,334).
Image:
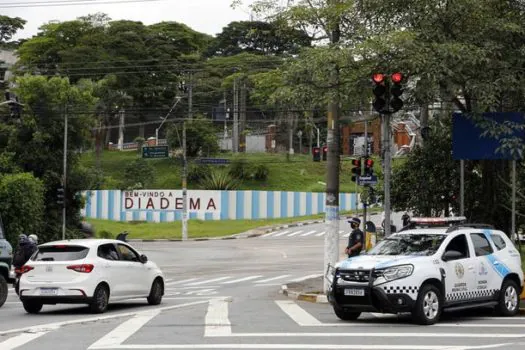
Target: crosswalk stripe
(242,279)
(320,234)
(270,234)
(22,339)
(297,313)
(308,233)
(281,233)
(182,281)
(208,281)
(272,279)
(295,233)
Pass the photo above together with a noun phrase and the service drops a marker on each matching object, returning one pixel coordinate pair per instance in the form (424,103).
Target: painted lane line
(300,279)
(22,339)
(217,323)
(242,279)
(272,279)
(182,281)
(269,234)
(125,330)
(308,233)
(295,233)
(267,284)
(308,346)
(55,325)
(297,313)
(379,335)
(208,281)
(281,233)
(401,325)
(320,234)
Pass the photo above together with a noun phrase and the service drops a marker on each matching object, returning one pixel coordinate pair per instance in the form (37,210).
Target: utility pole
(387,169)
(64,176)
(190,97)
(121,129)
(235,132)
(331,242)
(366,156)
(242,126)
(184,185)
(290,135)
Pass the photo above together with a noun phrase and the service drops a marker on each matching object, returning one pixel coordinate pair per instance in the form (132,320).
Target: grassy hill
(298,173)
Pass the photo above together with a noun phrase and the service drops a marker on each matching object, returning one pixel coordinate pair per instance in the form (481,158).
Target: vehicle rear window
(60,253)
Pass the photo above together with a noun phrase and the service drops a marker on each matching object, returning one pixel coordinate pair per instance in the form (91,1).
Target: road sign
(367,180)
(213,161)
(155,152)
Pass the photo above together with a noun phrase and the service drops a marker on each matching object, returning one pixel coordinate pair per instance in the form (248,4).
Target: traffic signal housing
(325,152)
(316,153)
(60,195)
(380,91)
(387,91)
(356,169)
(396,91)
(369,166)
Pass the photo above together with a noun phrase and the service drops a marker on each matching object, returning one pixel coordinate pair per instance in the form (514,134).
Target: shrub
(240,169)
(196,173)
(260,172)
(105,234)
(219,180)
(138,174)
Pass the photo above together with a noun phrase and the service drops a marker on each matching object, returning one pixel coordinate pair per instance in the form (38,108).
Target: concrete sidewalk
(312,290)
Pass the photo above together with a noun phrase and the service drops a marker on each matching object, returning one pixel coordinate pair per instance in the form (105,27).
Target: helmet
(354,220)
(22,238)
(33,238)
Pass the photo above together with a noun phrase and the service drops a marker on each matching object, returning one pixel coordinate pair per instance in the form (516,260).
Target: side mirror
(451,255)
(143,259)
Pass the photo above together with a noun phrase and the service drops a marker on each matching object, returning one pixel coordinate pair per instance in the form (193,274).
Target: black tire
(509,299)
(32,307)
(99,303)
(3,290)
(428,308)
(346,315)
(156,292)
(16,284)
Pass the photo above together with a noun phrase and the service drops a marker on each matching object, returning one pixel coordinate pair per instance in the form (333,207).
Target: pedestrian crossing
(230,280)
(303,233)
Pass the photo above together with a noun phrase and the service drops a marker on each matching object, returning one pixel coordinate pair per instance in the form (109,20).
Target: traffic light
(369,167)
(396,91)
(356,169)
(379,103)
(60,195)
(325,152)
(316,154)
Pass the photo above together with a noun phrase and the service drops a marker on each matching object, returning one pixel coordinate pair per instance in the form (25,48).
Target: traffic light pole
(387,170)
(64,178)
(366,156)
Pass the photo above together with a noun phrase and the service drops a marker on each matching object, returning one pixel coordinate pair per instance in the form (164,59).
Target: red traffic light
(378,78)
(369,163)
(397,78)
(356,162)
(325,149)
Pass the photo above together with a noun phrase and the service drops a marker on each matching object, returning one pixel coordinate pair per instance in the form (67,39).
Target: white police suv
(432,265)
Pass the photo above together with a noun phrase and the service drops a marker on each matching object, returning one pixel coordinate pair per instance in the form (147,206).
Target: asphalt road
(225,295)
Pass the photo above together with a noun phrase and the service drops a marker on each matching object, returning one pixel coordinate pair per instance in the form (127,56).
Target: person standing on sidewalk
(356,239)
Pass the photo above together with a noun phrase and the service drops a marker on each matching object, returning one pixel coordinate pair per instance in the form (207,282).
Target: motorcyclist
(406,219)
(23,251)
(356,239)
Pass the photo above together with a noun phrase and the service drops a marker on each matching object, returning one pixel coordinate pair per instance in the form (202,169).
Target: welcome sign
(170,200)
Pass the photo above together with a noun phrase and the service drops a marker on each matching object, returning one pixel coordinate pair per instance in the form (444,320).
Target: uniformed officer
(356,239)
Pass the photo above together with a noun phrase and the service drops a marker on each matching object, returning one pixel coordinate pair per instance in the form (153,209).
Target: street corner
(307,290)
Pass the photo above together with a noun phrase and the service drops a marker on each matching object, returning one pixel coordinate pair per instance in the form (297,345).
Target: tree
(8,27)
(200,134)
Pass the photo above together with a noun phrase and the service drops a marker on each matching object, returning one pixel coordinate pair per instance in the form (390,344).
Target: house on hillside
(7,59)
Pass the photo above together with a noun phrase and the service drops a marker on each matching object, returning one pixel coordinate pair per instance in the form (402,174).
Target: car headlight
(397,272)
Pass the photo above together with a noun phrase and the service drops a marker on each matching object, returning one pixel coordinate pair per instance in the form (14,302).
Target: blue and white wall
(207,205)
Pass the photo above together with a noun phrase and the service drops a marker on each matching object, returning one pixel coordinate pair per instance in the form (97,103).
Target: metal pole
(235,136)
(387,148)
(317,137)
(184,186)
(190,98)
(156,136)
(121,131)
(366,156)
(462,187)
(513,222)
(64,178)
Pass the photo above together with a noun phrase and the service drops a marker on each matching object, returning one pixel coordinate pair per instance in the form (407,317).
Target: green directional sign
(155,152)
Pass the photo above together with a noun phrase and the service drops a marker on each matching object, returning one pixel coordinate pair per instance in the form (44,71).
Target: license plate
(355,292)
(48,291)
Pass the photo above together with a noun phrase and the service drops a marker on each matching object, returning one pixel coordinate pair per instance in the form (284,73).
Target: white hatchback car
(88,271)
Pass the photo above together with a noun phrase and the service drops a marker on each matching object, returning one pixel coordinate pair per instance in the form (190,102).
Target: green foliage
(260,172)
(139,174)
(9,26)
(22,206)
(240,169)
(140,142)
(219,180)
(201,137)
(105,234)
(197,172)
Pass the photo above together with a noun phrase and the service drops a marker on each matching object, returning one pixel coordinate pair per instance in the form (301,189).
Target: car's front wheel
(509,299)
(428,305)
(32,306)
(156,292)
(346,315)
(99,303)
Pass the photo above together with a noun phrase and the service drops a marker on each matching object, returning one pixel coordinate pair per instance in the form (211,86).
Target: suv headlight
(397,272)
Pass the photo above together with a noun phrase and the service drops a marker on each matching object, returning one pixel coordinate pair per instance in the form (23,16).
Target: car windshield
(408,244)
(60,253)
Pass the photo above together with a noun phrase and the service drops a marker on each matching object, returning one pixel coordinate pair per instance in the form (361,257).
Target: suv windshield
(408,244)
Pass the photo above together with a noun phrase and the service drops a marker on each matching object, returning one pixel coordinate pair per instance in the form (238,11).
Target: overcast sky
(207,16)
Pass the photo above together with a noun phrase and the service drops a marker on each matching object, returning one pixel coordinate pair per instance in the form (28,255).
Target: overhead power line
(7,5)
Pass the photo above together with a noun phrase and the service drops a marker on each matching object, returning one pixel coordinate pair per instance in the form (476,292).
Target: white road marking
(22,339)
(308,233)
(125,330)
(305,278)
(281,233)
(297,313)
(242,279)
(180,282)
(217,323)
(272,279)
(295,233)
(320,234)
(380,335)
(308,346)
(208,281)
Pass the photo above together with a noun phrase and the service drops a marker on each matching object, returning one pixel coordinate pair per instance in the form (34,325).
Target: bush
(196,173)
(240,169)
(138,174)
(22,206)
(261,172)
(105,234)
(219,180)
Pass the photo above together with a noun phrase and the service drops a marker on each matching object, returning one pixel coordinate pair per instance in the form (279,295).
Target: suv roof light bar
(433,221)
(471,225)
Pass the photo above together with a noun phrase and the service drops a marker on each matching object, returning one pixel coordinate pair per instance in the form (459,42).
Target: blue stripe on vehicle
(308,203)
(284,204)
(208,216)
(296,204)
(269,205)
(239,205)
(111,199)
(98,194)
(255,204)
(224,205)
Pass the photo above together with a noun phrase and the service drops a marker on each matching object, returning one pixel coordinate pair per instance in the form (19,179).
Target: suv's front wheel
(346,315)
(509,299)
(428,305)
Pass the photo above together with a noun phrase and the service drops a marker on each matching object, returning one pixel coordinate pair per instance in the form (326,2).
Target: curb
(312,298)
